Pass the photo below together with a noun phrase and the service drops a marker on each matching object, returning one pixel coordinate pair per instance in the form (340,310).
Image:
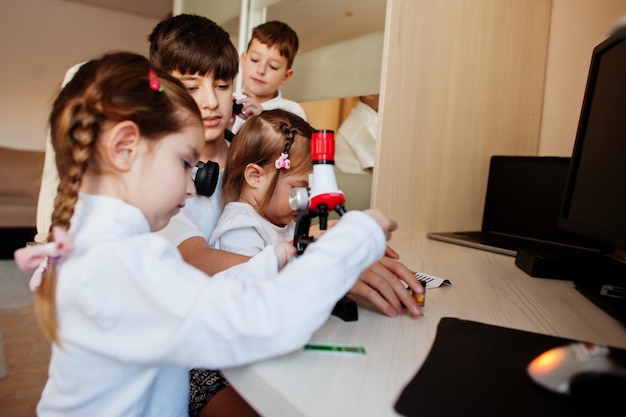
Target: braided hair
(113,88)
(261,140)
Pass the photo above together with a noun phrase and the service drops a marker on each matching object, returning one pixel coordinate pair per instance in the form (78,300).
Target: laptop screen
(524,195)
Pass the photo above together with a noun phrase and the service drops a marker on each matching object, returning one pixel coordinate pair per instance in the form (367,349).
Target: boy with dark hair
(199,53)
(266,65)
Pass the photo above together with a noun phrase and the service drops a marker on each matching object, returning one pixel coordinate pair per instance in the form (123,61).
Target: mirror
(341,41)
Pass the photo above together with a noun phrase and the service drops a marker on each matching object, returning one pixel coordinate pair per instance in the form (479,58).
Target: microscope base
(346,309)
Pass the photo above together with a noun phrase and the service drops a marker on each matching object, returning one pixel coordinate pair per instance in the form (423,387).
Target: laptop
(522,207)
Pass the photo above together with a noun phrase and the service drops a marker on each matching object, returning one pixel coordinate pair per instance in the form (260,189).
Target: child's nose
(190,188)
(208,99)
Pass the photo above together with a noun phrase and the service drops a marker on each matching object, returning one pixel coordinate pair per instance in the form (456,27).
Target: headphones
(205,175)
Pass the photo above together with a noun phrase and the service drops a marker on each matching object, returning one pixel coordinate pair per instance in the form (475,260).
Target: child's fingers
(390,253)
(284,250)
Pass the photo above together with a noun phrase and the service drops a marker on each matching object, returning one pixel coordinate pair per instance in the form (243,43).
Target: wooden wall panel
(461,80)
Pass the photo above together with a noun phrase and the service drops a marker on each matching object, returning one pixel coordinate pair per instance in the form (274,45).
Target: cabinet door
(461,80)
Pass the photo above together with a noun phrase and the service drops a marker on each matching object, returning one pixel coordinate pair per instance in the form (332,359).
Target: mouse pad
(477,369)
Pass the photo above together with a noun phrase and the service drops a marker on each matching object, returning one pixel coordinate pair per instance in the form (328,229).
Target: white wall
(577,26)
(344,69)
(41,39)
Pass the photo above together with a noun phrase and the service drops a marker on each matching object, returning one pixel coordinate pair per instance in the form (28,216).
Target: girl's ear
(254,175)
(121,148)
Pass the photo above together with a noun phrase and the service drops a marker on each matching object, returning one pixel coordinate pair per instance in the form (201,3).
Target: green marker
(335,348)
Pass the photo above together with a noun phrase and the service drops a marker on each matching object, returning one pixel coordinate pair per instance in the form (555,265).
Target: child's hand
(250,106)
(390,253)
(385,222)
(284,250)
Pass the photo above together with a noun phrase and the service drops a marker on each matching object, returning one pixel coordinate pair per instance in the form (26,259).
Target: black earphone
(237,108)
(205,175)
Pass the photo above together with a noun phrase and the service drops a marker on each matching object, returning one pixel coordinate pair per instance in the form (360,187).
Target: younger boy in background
(265,66)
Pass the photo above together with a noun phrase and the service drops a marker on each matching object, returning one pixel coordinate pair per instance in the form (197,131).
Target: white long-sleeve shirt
(355,141)
(134,317)
(242,230)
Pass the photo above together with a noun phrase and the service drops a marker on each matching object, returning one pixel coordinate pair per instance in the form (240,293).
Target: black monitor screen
(595,200)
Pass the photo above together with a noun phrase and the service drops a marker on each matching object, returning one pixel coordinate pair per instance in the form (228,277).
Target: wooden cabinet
(461,80)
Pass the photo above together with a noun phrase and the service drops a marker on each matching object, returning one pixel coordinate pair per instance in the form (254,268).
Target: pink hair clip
(38,258)
(283,161)
(155,84)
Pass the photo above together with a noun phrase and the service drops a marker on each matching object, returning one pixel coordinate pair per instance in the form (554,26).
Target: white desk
(486,287)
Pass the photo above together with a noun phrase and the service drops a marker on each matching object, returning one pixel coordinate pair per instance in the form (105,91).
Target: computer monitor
(594,204)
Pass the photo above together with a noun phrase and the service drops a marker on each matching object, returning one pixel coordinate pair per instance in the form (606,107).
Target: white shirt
(198,218)
(134,317)
(277,102)
(242,230)
(355,142)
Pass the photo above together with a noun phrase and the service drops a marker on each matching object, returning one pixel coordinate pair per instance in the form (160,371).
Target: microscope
(323,195)
(322,198)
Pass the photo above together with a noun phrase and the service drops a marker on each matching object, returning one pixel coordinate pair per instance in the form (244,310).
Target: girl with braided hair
(126,315)
(270,156)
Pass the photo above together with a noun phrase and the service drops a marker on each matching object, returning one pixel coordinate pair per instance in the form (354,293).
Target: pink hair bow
(283,161)
(37,258)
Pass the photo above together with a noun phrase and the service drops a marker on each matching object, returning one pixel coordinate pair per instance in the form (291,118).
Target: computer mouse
(578,368)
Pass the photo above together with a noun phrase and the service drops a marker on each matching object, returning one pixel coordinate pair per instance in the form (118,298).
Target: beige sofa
(20,180)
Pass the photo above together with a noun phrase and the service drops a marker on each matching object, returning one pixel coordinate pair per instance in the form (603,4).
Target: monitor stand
(606,287)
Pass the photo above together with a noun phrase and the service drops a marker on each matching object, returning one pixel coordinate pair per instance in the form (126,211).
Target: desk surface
(486,287)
